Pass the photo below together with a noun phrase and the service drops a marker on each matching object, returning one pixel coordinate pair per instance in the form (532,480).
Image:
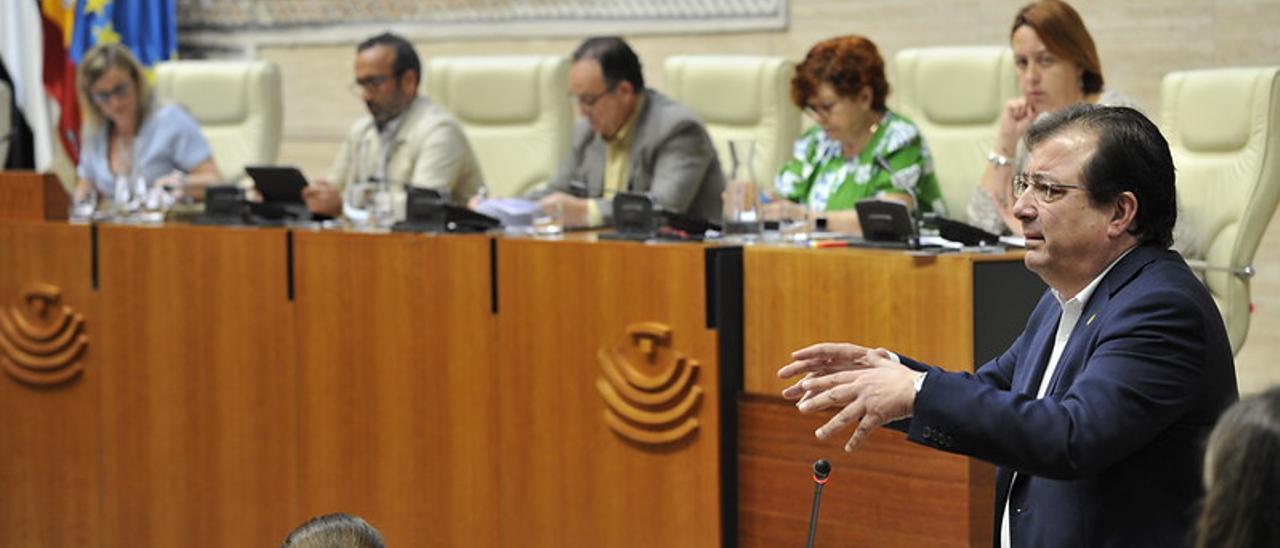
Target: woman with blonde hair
(128,134)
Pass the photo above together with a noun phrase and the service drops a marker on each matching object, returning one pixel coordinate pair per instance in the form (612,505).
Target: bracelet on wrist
(997,159)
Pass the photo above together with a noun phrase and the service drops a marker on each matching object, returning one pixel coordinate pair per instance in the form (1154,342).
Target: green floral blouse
(896,160)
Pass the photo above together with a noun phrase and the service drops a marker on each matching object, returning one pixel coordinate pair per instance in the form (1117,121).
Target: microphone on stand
(821,469)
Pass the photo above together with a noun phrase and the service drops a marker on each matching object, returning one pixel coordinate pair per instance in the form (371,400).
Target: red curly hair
(848,63)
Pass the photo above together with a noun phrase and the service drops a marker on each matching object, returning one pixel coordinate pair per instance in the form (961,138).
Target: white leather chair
(237,103)
(955,95)
(6,125)
(740,97)
(515,111)
(1223,127)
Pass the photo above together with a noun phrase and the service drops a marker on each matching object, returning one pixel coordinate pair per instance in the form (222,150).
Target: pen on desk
(820,244)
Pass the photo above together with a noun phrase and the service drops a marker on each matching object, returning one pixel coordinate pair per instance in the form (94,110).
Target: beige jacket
(429,150)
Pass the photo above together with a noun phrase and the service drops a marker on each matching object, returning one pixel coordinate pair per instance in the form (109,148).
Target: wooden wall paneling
(199,395)
(568,477)
(916,305)
(50,468)
(399,376)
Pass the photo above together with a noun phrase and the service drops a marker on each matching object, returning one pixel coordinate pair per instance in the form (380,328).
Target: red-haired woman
(858,149)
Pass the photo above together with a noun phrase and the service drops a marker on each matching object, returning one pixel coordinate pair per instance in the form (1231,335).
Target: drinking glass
(357,203)
(741,214)
(549,219)
(84,202)
(155,202)
(796,224)
(382,209)
(126,198)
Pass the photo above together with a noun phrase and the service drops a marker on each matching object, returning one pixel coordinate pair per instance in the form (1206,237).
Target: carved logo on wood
(655,401)
(42,340)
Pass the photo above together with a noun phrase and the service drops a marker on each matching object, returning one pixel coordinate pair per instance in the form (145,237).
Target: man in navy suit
(1097,414)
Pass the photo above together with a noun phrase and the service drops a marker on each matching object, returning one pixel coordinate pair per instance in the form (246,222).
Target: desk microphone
(821,469)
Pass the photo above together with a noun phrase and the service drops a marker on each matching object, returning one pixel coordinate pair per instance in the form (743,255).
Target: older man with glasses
(630,138)
(1097,415)
(406,140)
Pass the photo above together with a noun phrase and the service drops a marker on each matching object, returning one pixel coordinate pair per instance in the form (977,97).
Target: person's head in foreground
(334,531)
(1242,476)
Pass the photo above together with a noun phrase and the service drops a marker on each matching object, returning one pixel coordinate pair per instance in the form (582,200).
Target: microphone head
(821,469)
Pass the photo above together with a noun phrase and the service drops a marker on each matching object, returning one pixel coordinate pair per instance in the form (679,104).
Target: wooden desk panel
(199,410)
(920,306)
(568,478)
(398,379)
(31,196)
(890,492)
(225,414)
(50,476)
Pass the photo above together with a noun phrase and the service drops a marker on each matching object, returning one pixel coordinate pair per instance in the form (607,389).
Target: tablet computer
(278,183)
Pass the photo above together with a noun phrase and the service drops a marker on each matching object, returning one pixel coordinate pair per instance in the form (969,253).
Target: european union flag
(148,27)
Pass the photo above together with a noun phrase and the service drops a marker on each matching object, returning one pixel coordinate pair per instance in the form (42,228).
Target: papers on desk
(513,212)
(1013,241)
(939,241)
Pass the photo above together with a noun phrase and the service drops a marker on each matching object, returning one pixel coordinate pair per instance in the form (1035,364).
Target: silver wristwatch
(997,159)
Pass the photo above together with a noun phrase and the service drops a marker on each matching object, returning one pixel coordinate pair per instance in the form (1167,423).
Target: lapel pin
(1091,318)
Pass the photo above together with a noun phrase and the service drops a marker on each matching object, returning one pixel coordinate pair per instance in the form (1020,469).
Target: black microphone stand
(821,470)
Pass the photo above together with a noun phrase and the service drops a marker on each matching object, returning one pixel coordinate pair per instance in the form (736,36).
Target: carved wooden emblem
(652,402)
(41,341)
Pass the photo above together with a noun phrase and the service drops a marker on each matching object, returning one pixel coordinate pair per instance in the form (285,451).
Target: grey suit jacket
(672,160)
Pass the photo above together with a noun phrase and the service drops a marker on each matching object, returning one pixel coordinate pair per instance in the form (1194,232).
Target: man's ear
(410,76)
(626,86)
(1126,212)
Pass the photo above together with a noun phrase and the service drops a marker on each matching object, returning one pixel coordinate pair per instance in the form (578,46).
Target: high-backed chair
(6,125)
(955,95)
(740,97)
(1223,127)
(515,111)
(237,103)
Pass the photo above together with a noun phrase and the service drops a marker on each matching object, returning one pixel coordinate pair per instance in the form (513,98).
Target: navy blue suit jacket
(1111,456)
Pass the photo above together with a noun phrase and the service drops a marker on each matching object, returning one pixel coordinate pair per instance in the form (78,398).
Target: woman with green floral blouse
(858,149)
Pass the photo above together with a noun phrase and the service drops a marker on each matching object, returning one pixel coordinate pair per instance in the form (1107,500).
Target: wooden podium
(464,390)
(31,196)
(952,310)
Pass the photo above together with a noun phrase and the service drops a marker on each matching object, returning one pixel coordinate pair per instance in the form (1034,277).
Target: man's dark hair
(617,61)
(406,56)
(1131,156)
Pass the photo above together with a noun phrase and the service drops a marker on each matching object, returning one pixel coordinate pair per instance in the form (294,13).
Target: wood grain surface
(398,381)
(50,477)
(567,478)
(199,408)
(894,493)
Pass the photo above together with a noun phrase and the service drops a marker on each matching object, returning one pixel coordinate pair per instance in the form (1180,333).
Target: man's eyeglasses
(1043,189)
(588,101)
(101,97)
(370,83)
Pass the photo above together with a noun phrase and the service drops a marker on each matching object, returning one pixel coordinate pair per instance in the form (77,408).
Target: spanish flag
(41,41)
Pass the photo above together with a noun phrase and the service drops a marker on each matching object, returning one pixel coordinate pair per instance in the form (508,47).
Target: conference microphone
(821,469)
